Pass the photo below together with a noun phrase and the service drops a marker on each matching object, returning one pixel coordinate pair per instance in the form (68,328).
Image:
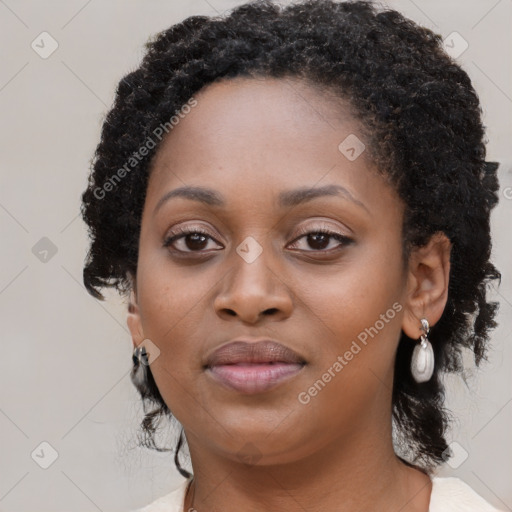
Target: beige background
(66,357)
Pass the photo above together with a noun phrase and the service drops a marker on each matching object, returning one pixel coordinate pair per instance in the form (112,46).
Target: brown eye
(320,240)
(189,240)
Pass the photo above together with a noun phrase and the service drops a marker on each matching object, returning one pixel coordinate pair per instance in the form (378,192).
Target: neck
(343,476)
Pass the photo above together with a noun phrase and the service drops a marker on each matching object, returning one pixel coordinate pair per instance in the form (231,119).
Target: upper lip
(253,351)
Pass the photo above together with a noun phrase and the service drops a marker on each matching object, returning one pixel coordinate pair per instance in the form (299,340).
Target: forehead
(257,136)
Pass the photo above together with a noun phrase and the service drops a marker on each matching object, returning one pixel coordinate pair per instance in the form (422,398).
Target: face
(322,276)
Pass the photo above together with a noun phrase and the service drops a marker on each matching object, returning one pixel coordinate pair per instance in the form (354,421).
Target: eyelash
(343,239)
(183,232)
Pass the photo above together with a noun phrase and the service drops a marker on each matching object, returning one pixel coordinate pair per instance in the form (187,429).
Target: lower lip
(254,378)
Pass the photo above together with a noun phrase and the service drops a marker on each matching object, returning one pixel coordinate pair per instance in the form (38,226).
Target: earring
(422,363)
(140,356)
(139,371)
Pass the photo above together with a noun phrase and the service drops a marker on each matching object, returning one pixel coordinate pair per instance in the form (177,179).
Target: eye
(321,239)
(197,239)
(193,239)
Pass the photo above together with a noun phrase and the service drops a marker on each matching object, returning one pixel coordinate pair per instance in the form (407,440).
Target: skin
(250,139)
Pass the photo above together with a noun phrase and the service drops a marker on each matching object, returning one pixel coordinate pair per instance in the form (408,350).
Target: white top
(449,494)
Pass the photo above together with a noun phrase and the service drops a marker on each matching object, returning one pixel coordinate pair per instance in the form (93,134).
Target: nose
(252,291)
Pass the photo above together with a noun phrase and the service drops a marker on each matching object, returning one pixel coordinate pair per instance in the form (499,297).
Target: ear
(427,284)
(133,319)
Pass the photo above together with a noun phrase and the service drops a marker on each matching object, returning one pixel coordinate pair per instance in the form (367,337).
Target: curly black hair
(422,122)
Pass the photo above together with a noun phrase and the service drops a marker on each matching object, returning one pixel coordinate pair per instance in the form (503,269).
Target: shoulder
(448,495)
(171,502)
(451,494)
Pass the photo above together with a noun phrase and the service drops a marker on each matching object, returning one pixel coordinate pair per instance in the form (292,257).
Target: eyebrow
(287,198)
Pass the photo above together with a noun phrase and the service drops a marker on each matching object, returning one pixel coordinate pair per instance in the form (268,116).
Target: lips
(253,366)
(264,351)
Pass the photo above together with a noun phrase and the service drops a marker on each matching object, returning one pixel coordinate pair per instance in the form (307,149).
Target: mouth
(253,367)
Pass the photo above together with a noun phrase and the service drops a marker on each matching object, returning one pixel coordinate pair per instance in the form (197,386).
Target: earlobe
(427,284)
(133,320)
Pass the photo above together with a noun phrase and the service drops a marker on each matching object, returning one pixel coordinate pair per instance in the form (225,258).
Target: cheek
(171,310)
(356,321)
(172,306)
(358,304)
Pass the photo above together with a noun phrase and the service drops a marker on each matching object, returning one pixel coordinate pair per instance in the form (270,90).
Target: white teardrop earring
(422,362)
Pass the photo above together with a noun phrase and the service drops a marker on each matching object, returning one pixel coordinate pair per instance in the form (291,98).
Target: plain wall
(66,357)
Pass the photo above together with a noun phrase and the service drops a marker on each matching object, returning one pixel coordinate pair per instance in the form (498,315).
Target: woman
(297,201)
